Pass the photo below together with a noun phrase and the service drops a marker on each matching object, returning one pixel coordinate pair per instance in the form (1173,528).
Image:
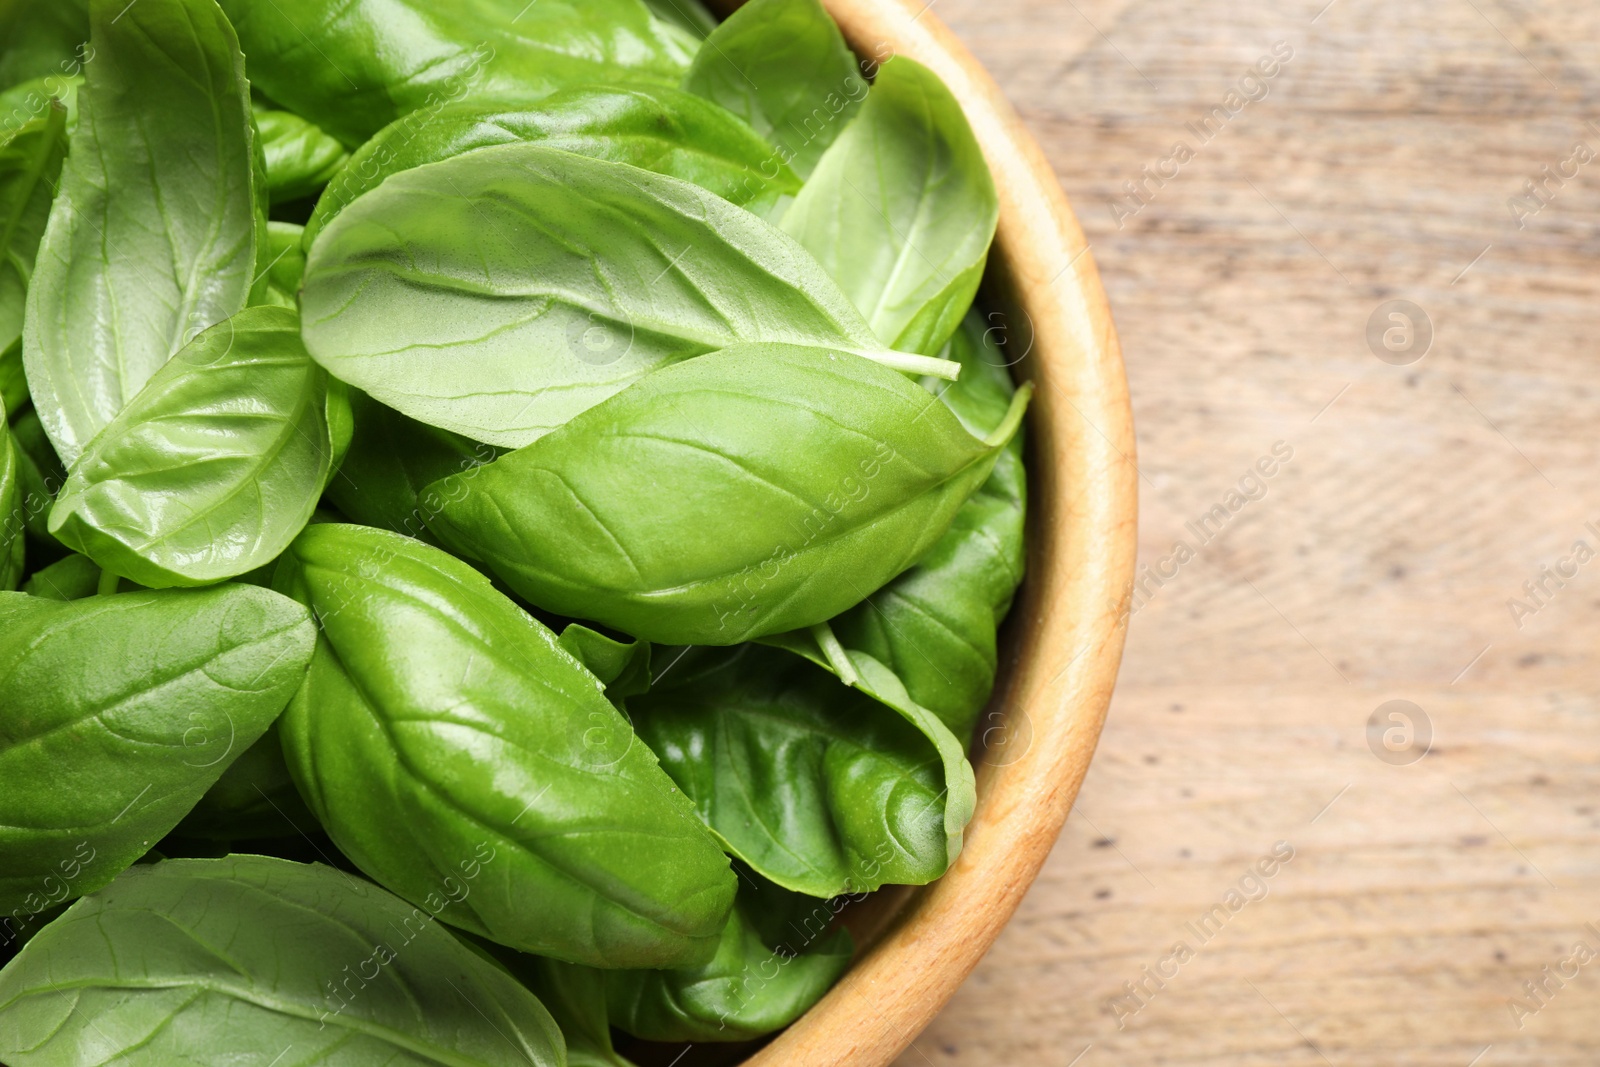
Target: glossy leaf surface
(658,129)
(155,233)
(215,465)
(818,787)
(497,294)
(783,67)
(424,676)
(177,961)
(353,68)
(118,712)
(300,158)
(758,489)
(901,210)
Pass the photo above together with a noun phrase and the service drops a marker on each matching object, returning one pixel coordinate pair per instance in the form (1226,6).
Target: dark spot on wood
(1104,842)
(1102,894)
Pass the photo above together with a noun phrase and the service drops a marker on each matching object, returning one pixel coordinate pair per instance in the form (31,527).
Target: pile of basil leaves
(507,509)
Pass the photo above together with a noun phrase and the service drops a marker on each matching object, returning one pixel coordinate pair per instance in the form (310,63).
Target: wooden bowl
(1063,642)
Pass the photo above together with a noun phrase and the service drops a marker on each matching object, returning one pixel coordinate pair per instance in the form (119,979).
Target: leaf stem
(1008,425)
(108,583)
(948,369)
(837,657)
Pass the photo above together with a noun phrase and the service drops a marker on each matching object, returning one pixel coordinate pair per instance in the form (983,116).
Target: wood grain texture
(1378,564)
(1065,635)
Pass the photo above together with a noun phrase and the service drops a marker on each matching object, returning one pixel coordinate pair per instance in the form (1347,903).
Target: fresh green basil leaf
(156,230)
(13,380)
(42,39)
(656,128)
(901,210)
(754,985)
(13,525)
(498,293)
(576,999)
(180,961)
(392,459)
(41,477)
(118,712)
(754,490)
(623,667)
(72,578)
(425,675)
(355,67)
(23,103)
(244,404)
(691,15)
(300,158)
(286,266)
(820,788)
(30,162)
(935,625)
(255,798)
(783,67)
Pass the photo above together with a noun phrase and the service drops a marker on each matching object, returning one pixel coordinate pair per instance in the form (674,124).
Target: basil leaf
(72,578)
(12,523)
(30,162)
(40,476)
(424,676)
(935,625)
(656,128)
(242,403)
(286,265)
(576,998)
(820,788)
(177,961)
(623,667)
(754,985)
(155,232)
(300,158)
(550,281)
(30,100)
(13,380)
(692,15)
(42,39)
(353,68)
(754,490)
(118,712)
(901,210)
(392,459)
(783,67)
(255,798)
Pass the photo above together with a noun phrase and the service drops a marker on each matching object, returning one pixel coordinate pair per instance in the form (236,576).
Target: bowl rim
(1066,631)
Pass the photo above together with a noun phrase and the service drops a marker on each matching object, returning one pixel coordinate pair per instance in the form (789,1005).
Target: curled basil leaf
(779,953)
(30,162)
(822,789)
(177,960)
(783,67)
(392,459)
(901,210)
(243,403)
(935,625)
(655,128)
(754,490)
(623,667)
(498,293)
(118,712)
(355,67)
(155,232)
(300,158)
(424,675)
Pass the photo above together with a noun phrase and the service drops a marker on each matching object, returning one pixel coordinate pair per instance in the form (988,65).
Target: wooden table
(1378,563)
